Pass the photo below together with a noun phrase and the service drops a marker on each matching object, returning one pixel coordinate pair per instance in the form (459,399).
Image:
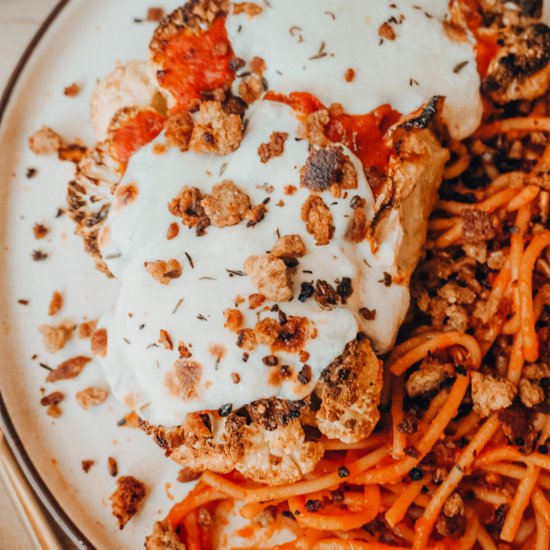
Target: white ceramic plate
(80,44)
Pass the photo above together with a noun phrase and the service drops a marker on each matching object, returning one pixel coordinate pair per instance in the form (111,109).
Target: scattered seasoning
(387,280)
(413,452)
(295,29)
(60,212)
(223,167)
(265,187)
(154,15)
(87,464)
(270,361)
(112,466)
(234,273)
(201,317)
(386,31)
(23,302)
(291,263)
(53,398)
(321,53)
(190,260)
(39,255)
(31,172)
(72,90)
(330,14)
(173,231)
(460,369)
(368,314)
(343,472)
(313,505)
(113,256)
(306,291)
(44,366)
(177,306)
(413,82)
(245,357)
(304,376)
(460,66)
(226,409)
(349,75)
(126,341)
(207,279)
(416,474)
(39,230)
(235,377)
(56,303)
(344,289)
(165,340)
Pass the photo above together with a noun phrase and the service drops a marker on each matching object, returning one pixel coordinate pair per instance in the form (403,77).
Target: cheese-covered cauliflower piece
(128,85)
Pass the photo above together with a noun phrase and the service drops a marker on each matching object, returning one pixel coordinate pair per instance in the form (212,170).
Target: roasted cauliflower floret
(90,194)
(271,449)
(349,390)
(128,85)
(521,69)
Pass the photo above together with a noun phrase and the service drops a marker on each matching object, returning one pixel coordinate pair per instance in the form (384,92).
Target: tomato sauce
(197,63)
(365,135)
(135,133)
(486,47)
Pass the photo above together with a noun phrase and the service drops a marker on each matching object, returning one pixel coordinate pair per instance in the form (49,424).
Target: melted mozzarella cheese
(308,45)
(137,365)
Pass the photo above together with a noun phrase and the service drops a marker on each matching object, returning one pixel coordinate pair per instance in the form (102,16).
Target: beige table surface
(19,19)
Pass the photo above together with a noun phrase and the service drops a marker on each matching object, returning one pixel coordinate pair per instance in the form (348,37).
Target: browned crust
(276,441)
(125,500)
(349,390)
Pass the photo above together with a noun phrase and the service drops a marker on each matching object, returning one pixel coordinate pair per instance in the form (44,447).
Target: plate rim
(24,461)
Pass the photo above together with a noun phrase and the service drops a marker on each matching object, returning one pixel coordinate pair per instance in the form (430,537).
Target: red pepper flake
(112,466)
(39,230)
(56,303)
(235,376)
(165,340)
(154,15)
(290,190)
(87,464)
(72,90)
(349,75)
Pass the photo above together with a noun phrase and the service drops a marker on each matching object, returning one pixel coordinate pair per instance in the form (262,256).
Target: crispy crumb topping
(126,499)
(318,218)
(55,337)
(271,276)
(164,272)
(226,205)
